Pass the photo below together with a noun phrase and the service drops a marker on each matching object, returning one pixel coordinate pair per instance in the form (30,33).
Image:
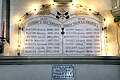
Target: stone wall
(116,13)
(119,39)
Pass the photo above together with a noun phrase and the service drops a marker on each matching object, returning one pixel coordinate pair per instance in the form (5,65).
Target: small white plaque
(63,72)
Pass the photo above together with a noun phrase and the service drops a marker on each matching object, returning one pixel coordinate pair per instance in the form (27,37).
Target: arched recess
(61,31)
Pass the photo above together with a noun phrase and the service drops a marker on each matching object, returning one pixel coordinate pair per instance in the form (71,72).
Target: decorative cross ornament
(62,11)
(62,14)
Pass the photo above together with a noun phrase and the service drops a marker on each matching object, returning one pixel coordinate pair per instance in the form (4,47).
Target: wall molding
(31,60)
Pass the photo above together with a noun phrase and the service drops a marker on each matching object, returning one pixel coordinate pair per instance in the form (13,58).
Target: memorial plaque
(62,35)
(42,36)
(82,37)
(63,72)
(45,36)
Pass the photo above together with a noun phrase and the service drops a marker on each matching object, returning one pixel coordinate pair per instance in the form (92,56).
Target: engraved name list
(47,36)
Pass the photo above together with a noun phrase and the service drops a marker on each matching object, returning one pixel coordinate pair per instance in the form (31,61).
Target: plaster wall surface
(44,72)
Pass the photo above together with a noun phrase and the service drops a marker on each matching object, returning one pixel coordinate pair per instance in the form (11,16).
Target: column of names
(42,40)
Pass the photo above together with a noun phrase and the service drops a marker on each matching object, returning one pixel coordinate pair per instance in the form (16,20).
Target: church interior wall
(19,8)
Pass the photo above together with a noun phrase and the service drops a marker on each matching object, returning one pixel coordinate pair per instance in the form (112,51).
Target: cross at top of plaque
(62,11)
